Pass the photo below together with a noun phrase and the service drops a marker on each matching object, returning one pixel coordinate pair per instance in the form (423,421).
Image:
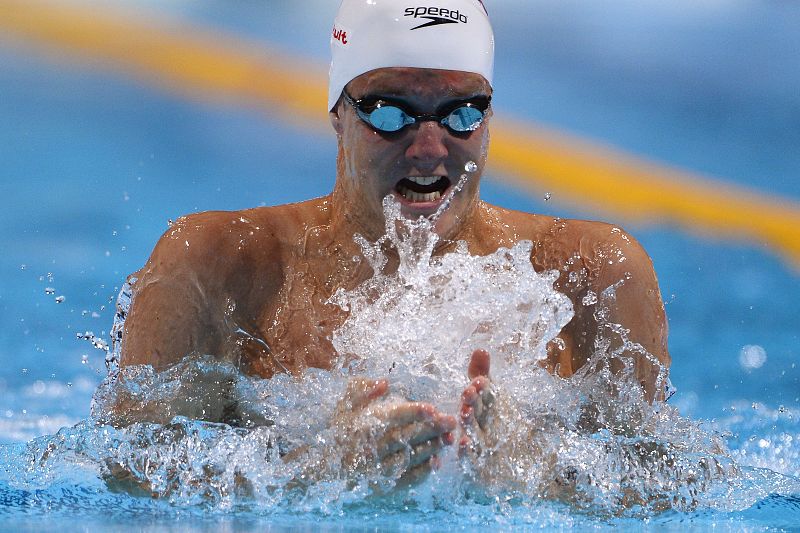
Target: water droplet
(23,267)
(589,299)
(49,291)
(38,386)
(471,166)
(170,222)
(100,344)
(547,196)
(60,299)
(50,277)
(84,359)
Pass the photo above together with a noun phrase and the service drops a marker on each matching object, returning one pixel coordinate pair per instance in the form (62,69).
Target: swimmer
(410,103)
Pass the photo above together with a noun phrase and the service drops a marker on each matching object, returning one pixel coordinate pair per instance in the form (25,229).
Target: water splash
(470,167)
(123,306)
(202,433)
(433,312)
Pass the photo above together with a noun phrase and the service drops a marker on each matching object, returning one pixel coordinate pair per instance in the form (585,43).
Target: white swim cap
(441,34)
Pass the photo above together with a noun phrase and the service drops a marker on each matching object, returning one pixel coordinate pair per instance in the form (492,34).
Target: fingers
(360,392)
(412,464)
(478,396)
(414,434)
(467,414)
(464,444)
(468,446)
(478,364)
(403,413)
(423,452)
(475,401)
(408,458)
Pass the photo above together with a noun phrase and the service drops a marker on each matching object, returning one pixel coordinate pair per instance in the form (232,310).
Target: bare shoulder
(198,240)
(220,242)
(600,256)
(206,266)
(600,247)
(561,242)
(608,248)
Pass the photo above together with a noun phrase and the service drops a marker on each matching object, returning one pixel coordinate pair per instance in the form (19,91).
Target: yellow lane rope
(189,60)
(624,186)
(207,64)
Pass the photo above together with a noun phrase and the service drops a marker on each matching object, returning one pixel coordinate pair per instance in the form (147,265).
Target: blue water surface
(95,164)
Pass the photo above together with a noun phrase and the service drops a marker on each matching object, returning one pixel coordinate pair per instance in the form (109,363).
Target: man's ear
(335,117)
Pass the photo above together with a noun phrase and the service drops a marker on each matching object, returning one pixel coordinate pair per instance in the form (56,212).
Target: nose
(427,149)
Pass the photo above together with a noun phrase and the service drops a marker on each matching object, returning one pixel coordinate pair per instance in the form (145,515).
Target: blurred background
(679,121)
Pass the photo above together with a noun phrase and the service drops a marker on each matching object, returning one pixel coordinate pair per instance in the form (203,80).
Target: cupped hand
(400,438)
(476,403)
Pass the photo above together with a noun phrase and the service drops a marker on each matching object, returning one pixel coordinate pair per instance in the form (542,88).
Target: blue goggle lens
(387,118)
(464,118)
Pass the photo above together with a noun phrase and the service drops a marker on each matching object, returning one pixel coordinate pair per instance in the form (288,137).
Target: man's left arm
(629,297)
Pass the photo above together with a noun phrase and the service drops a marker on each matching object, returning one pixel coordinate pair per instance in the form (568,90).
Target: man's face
(419,164)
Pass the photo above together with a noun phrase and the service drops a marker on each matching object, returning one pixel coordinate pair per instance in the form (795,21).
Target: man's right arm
(176,308)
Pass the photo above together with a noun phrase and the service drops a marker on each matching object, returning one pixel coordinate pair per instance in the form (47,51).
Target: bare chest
(298,323)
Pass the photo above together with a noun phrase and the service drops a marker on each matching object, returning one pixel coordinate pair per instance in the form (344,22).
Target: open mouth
(422,189)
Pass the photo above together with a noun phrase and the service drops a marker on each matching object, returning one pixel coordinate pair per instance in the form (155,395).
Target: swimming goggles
(387,116)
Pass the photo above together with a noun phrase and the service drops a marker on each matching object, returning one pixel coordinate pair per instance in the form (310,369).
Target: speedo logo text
(436,16)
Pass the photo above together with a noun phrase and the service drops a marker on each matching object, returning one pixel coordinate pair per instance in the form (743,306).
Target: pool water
(95,164)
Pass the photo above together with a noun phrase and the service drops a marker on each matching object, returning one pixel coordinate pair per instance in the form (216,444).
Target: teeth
(424,180)
(419,197)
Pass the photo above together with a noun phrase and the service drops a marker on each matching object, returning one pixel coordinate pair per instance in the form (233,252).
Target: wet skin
(250,286)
